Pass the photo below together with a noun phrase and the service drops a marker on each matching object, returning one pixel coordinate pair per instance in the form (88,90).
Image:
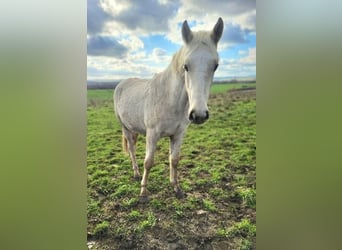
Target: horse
(165,105)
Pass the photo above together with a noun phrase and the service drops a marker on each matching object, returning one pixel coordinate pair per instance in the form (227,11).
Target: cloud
(159,52)
(160,55)
(133,43)
(225,8)
(96,17)
(116,69)
(147,16)
(247,21)
(243,66)
(105,46)
(238,15)
(233,33)
(250,59)
(242,52)
(193,10)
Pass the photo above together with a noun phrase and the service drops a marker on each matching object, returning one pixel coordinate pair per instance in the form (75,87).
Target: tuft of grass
(149,222)
(243,232)
(156,204)
(217,192)
(93,207)
(124,190)
(104,184)
(202,182)
(246,244)
(248,196)
(101,229)
(221,232)
(186,185)
(243,228)
(134,215)
(130,202)
(209,205)
(178,208)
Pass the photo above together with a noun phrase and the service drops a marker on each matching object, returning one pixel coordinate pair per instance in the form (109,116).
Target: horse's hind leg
(175,145)
(131,138)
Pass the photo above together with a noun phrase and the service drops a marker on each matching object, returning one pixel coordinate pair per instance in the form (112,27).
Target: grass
(223,87)
(101,228)
(217,172)
(248,196)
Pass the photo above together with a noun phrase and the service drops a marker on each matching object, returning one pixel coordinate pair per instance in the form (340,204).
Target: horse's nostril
(207,115)
(192,115)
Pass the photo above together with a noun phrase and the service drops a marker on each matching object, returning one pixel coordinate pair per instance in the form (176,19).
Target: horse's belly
(133,120)
(138,128)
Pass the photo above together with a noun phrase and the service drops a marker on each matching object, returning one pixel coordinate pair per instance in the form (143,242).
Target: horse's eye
(215,68)
(185,67)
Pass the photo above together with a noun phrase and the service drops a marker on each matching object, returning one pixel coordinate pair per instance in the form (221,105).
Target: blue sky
(135,38)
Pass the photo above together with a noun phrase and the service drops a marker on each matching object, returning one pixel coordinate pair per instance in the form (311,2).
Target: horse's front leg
(175,145)
(151,142)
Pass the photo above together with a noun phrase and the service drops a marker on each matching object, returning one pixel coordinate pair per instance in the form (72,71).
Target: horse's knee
(148,163)
(174,159)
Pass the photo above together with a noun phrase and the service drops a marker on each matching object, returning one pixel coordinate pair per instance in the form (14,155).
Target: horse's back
(129,102)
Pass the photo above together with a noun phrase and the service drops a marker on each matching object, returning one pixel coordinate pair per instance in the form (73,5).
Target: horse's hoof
(180,194)
(143,199)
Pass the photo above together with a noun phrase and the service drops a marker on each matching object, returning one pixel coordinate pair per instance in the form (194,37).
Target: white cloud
(247,21)
(132,42)
(243,66)
(250,59)
(134,65)
(160,55)
(242,52)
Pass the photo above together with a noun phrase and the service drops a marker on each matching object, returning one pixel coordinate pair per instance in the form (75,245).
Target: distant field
(100,94)
(222,87)
(217,171)
(105,94)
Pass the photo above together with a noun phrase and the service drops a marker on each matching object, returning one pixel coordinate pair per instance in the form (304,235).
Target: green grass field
(216,170)
(221,87)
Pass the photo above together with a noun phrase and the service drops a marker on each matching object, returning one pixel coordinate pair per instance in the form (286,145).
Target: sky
(135,38)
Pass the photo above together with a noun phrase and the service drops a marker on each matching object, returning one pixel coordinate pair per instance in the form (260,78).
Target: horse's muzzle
(198,117)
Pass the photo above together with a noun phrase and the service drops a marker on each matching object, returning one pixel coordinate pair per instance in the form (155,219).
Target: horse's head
(199,65)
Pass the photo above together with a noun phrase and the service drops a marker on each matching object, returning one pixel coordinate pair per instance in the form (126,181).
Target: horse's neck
(176,86)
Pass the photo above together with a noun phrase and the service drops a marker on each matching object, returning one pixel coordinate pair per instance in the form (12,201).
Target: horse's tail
(124,143)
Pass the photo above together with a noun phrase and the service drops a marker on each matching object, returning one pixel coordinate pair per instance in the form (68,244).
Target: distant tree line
(236,81)
(101,85)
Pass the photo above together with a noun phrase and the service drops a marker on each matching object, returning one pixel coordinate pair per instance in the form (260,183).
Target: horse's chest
(172,126)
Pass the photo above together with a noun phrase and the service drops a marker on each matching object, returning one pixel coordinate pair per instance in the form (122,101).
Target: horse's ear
(186,32)
(217,31)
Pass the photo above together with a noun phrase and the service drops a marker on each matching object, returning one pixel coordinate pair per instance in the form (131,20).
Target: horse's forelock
(200,39)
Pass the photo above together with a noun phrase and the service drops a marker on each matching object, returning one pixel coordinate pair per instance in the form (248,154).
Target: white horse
(165,105)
